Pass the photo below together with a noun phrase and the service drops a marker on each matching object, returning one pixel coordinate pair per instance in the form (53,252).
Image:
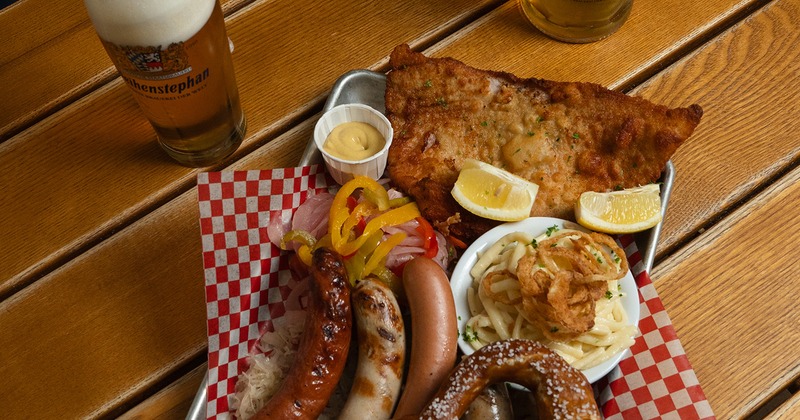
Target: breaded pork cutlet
(567,137)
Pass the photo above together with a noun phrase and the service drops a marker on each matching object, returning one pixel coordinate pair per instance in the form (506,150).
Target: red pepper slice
(359,229)
(458,243)
(351,203)
(430,243)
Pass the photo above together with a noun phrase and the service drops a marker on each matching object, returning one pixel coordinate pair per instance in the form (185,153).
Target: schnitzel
(567,137)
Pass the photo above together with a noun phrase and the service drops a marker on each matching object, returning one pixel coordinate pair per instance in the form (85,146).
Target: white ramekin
(344,170)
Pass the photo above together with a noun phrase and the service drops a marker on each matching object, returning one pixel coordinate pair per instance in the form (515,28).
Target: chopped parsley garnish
(428,83)
(576,136)
(484,123)
(551,230)
(442,102)
(534,244)
(530,133)
(469,335)
(609,295)
(539,119)
(553,329)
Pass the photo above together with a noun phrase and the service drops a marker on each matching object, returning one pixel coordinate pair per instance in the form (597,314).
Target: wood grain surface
(172,402)
(100,261)
(731,296)
(283,74)
(749,133)
(790,409)
(673,86)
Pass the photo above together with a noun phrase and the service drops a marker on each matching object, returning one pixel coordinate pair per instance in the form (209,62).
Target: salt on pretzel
(560,391)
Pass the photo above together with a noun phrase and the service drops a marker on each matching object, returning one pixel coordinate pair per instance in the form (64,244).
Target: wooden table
(101,284)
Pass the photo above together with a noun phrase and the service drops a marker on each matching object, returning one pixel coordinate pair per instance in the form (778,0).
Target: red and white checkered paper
(247,283)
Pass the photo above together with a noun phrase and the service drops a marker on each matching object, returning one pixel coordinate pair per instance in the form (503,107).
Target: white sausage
(381,353)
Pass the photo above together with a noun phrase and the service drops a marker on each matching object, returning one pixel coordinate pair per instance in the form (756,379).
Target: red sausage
(434,333)
(323,348)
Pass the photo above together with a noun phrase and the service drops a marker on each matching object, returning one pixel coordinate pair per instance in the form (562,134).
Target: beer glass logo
(153,62)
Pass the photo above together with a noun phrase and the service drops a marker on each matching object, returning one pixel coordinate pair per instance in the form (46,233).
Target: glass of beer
(576,21)
(175,57)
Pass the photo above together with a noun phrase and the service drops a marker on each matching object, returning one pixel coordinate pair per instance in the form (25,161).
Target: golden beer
(576,21)
(175,57)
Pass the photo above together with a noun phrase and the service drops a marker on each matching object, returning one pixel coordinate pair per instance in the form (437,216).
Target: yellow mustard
(354,141)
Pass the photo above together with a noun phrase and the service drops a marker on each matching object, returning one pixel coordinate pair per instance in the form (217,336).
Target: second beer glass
(175,57)
(576,21)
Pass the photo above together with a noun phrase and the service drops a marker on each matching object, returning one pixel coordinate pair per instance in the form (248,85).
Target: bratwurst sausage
(322,352)
(381,353)
(434,332)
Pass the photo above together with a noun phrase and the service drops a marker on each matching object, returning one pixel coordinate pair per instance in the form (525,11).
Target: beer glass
(175,57)
(576,21)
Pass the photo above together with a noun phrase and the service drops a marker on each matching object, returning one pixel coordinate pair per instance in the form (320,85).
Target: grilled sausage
(381,353)
(434,333)
(323,348)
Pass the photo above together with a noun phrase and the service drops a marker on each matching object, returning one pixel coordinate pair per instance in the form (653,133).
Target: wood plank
(654,31)
(154,264)
(673,86)
(790,409)
(750,131)
(172,402)
(761,48)
(128,312)
(728,296)
(104,175)
(53,57)
(712,288)
(128,150)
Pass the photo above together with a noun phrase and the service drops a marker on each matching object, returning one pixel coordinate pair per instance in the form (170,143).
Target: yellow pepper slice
(378,257)
(355,264)
(340,212)
(297,235)
(303,237)
(361,211)
(392,217)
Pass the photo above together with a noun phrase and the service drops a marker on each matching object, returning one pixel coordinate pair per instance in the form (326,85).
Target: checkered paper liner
(248,286)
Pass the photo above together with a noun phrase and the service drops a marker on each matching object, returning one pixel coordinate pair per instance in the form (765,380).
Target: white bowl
(461,280)
(344,170)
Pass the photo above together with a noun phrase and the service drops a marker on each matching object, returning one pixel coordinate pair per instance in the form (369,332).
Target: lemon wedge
(626,211)
(493,193)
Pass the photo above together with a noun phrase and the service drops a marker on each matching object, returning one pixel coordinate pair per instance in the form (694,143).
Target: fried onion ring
(561,279)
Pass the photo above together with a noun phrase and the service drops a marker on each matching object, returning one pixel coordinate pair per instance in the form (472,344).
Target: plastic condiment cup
(344,170)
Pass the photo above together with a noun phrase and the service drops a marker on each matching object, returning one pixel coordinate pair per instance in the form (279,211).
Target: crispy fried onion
(559,281)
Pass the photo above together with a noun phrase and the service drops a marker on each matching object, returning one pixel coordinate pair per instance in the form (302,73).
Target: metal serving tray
(368,87)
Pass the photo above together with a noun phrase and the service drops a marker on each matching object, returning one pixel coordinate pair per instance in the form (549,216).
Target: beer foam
(148,22)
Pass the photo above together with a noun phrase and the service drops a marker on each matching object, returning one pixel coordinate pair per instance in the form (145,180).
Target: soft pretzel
(560,390)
